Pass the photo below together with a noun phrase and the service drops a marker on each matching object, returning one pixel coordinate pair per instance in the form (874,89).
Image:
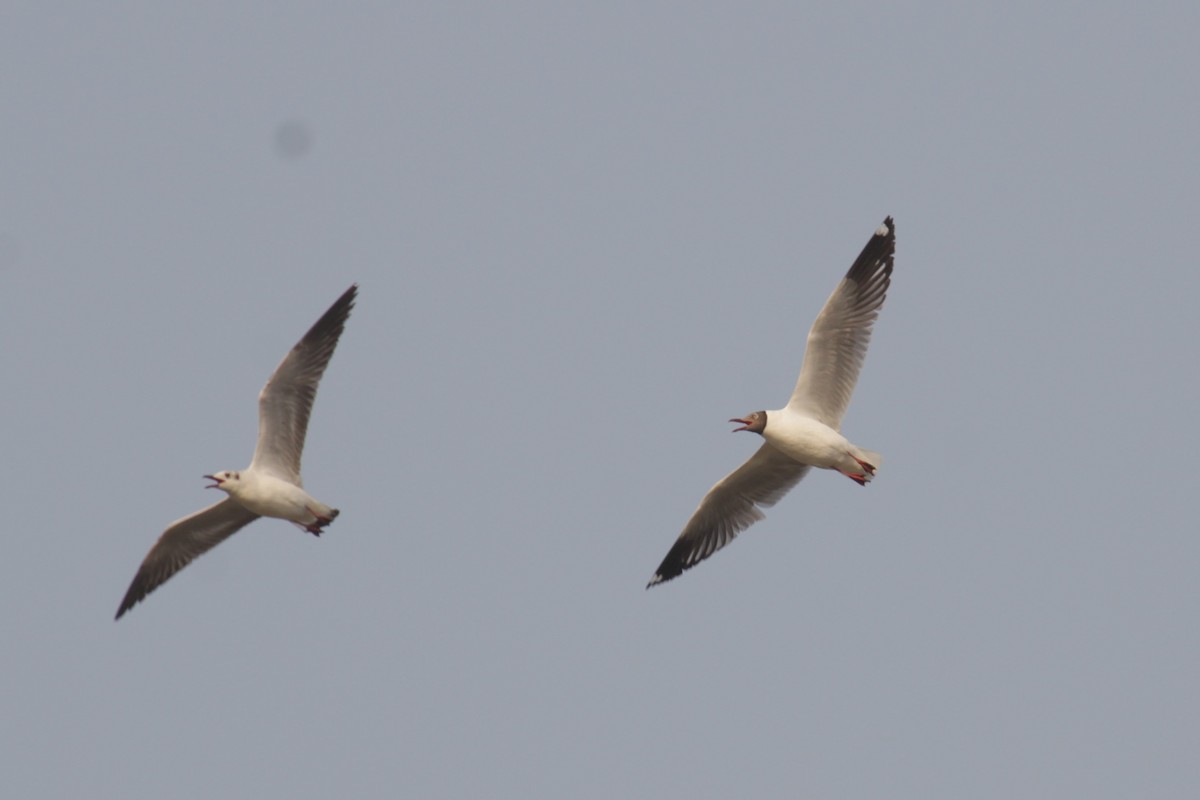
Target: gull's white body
(806,432)
(266,495)
(271,486)
(812,442)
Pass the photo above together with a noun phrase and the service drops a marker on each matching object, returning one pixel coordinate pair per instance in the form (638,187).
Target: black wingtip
(327,330)
(880,250)
(886,231)
(126,604)
(135,594)
(884,235)
(673,565)
(342,306)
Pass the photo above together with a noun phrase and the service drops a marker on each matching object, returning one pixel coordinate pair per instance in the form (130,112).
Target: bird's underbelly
(811,442)
(279,499)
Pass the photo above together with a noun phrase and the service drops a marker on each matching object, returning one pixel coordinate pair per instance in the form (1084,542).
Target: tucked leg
(870,468)
(318,524)
(857,477)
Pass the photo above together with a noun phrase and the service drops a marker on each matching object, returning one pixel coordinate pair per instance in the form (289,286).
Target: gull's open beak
(745,425)
(216,483)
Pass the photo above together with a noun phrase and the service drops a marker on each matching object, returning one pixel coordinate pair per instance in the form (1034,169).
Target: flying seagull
(271,485)
(804,433)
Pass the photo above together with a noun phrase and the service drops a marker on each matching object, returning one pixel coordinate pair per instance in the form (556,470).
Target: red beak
(745,425)
(216,485)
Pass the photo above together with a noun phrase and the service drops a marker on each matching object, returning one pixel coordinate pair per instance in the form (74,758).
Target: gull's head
(223,480)
(755,422)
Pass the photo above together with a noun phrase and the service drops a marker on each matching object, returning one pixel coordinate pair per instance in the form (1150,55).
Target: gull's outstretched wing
(183,541)
(837,342)
(285,403)
(730,507)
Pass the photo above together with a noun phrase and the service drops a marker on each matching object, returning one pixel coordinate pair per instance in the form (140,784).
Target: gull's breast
(805,439)
(269,496)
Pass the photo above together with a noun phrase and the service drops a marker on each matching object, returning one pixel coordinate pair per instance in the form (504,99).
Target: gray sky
(585,239)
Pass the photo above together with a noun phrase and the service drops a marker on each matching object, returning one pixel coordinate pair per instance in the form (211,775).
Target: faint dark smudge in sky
(293,139)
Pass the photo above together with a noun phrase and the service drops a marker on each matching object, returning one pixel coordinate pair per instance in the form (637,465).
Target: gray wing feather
(837,342)
(183,541)
(285,403)
(731,506)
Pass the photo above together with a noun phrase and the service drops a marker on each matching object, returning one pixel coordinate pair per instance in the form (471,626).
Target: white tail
(870,456)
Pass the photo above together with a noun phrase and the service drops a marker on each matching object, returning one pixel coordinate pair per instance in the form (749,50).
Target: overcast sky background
(585,238)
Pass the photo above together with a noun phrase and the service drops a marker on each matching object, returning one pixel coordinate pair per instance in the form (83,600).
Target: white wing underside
(183,541)
(838,339)
(285,403)
(731,506)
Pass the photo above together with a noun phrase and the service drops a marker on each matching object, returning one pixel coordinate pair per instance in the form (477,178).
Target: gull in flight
(271,485)
(804,433)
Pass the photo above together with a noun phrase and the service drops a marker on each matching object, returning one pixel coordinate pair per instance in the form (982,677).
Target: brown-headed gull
(271,485)
(804,433)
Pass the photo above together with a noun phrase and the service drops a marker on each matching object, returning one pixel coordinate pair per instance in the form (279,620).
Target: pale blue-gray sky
(585,237)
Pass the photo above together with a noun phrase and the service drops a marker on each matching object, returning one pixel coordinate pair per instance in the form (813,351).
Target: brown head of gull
(754,422)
